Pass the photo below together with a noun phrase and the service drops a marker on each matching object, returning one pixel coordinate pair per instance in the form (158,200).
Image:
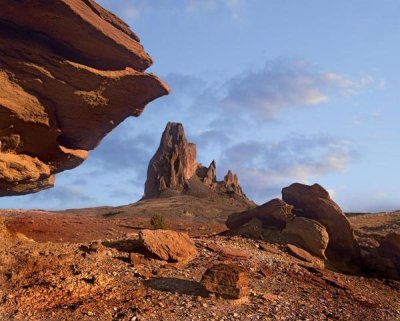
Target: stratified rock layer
(173,170)
(70,72)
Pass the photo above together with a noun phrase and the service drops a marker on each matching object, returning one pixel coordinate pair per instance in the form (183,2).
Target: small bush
(158,222)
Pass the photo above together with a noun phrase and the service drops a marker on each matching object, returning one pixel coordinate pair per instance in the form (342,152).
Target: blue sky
(277,91)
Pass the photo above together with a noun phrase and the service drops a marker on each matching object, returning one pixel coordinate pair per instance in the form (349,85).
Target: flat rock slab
(269,248)
(300,253)
(227,280)
(168,245)
(227,252)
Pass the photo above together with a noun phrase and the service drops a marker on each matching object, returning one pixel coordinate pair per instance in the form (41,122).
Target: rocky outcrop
(168,245)
(173,170)
(226,280)
(308,234)
(273,214)
(173,164)
(314,202)
(70,72)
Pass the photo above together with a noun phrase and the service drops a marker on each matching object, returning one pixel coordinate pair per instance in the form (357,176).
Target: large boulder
(273,214)
(308,234)
(174,170)
(168,245)
(70,72)
(314,202)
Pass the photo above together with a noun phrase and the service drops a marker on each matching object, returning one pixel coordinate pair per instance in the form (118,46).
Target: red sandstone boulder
(314,202)
(168,245)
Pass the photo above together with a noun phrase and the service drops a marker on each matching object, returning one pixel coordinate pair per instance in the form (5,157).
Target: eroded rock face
(173,164)
(314,202)
(70,72)
(174,170)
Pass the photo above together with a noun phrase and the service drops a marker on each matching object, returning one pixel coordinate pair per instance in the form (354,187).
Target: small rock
(268,248)
(227,280)
(229,252)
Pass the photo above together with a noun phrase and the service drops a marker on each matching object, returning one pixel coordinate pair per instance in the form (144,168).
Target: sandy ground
(54,277)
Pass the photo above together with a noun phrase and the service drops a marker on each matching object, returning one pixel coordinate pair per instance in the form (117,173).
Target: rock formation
(70,72)
(306,217)
(173,170)
(314,202)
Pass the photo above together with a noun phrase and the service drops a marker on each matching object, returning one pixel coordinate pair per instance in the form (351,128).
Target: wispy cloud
(264,167)
(286,84)
(59,197)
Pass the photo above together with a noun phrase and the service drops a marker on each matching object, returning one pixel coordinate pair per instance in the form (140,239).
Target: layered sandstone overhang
(174,170)
(70,71)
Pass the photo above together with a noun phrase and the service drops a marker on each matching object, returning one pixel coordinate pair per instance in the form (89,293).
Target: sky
(278,91)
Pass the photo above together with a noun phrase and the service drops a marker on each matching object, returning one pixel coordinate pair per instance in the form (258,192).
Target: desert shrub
(112,213)
(158,222)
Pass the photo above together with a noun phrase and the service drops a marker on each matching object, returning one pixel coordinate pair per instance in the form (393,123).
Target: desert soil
(55,275)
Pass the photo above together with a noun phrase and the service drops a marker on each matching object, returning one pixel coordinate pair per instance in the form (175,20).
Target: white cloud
(265,167)
(286,84)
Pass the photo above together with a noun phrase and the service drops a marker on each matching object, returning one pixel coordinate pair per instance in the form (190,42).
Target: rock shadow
(127,246)
(175,285)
